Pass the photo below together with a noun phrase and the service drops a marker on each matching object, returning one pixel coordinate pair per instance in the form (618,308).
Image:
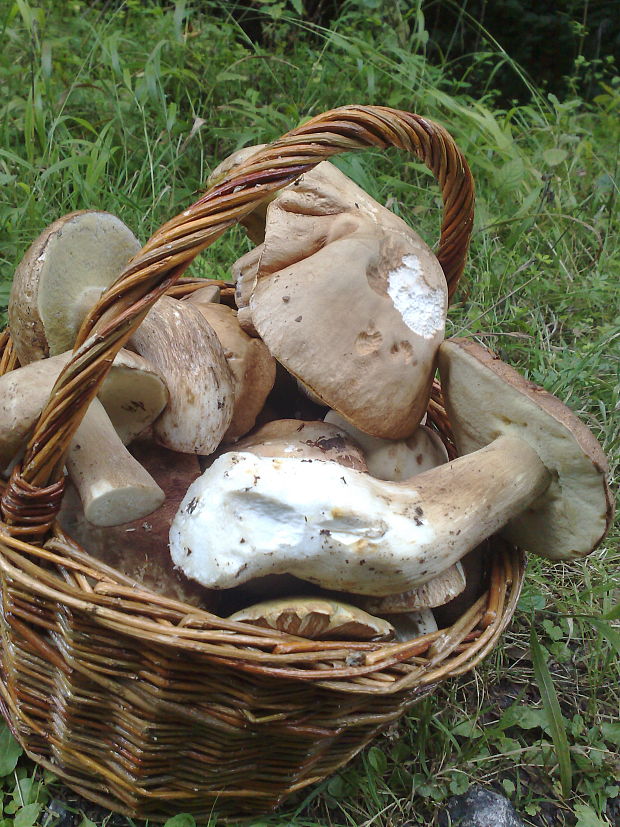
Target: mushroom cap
(308,440)
(61,276)
(351,301)
(252,366)
(185,351)
(139,549)
(485,399)
(441,589)
(254,223)
(132,394)
(396,460)
(316,618)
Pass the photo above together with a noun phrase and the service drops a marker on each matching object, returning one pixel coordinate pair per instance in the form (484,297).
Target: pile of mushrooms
(326,507)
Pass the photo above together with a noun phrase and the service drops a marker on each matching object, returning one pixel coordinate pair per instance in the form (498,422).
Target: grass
(127,109)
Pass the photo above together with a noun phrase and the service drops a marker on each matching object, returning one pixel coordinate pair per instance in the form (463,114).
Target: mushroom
(316,618)
(538,474)
(414,624)
(61,277)
(139,549)
(253,368)
(400,460)
(132,395)
(185,351)
(304,440)
(351,301)
(113,486)
(441,589)
(562,505)
(396,460)
(244,272)
(308,441)
(254,223)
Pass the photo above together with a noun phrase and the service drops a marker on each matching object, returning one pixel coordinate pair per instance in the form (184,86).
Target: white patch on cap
(422,307)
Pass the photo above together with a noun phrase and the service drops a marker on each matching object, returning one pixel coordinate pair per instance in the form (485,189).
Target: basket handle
(33,495)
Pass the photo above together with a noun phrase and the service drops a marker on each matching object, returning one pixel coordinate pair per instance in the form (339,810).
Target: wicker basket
(150,706)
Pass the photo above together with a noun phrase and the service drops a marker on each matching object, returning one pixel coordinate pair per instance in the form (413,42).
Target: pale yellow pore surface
(486,399)
(61,277)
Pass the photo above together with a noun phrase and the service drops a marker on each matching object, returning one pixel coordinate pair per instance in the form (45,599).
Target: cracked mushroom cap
(252,366)
(61,276)
(316,618)
(487,399)
(351,301)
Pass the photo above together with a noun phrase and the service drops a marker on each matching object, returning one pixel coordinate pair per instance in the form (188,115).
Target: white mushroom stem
(113,486)
(248,516)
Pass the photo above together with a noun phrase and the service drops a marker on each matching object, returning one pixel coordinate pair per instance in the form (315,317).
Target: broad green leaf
(298,6)
(467,729)
(587,817)
(10,751)
(611,732)
(613,614)
(377,760)
(27,816)
(552,708)
(553,157)
(181,820)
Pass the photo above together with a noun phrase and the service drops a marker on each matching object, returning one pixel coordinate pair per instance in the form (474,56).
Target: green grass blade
(610,634)
(552,708)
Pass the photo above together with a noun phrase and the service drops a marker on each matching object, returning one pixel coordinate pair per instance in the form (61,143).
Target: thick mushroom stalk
(132,395)
(248,516)
(113,486)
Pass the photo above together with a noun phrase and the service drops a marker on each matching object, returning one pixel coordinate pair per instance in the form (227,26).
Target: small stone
(479,807)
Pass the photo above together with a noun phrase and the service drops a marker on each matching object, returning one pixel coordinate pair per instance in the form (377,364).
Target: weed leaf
(552,707)
(10,751)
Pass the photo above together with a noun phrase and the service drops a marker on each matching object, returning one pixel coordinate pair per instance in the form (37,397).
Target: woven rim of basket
(31,542)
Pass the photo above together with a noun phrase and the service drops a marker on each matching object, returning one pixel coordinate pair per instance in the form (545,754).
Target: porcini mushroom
(553,458)
(400,459)
(185,351)
(540,476)
(351,301)
(132,395)
(114,488)
(252,367)
(139,549)
(316,618)
(60,278)
(304,440)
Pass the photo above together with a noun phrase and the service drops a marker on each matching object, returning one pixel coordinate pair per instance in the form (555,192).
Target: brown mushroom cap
(252,366)
(185,351)
(441,589)
(139,549)
(61,276)
(310,440)
(254,223)
(351,301)
(316,618)
(396,460)
(487,399)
